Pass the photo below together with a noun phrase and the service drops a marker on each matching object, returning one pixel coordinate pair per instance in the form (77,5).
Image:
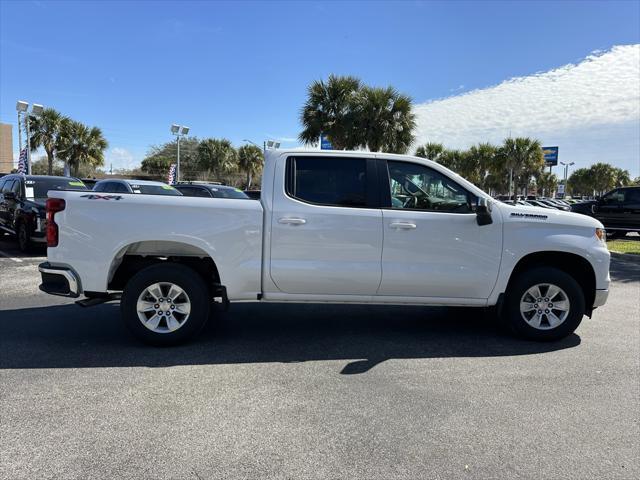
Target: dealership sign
(550,156)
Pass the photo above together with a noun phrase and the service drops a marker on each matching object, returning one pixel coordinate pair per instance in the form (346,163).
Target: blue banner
(550,155)
(325,144)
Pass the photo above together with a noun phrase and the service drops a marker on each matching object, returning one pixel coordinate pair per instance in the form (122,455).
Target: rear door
(631,208)
(326,226)
(433,245)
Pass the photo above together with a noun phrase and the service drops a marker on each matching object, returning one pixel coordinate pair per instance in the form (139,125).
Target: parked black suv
(618,210)
(22,205)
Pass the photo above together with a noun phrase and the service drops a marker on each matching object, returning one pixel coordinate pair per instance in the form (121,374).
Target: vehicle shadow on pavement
(69,336)
(625,271)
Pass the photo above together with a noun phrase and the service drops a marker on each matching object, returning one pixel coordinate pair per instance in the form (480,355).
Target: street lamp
(36,111)
(267,144)
(179,131)
(566,173)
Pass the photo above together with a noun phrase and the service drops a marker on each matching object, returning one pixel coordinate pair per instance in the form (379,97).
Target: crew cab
(330,227)
(618,210)
(22,205)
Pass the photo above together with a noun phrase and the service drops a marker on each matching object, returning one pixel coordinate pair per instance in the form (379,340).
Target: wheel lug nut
(539,312)
(546,299)
(156,306)
(535,305)
(546,311)
(172,307)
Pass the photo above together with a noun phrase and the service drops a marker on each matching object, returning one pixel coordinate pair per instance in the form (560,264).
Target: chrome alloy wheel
(163,307)
(544,306)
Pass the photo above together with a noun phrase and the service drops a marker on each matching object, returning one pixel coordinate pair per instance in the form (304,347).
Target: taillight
(54,205)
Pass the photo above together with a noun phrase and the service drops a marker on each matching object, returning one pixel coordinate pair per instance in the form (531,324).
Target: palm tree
(623,177)
(250,159)
(483,157)
(546,182)
(330,110)
(45,132)
(384,121)
(217,155)
(81,145)
(522,157)
(430,151)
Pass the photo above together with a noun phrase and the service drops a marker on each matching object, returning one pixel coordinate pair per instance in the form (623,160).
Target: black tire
(24,238)
(543,275)
(180,275)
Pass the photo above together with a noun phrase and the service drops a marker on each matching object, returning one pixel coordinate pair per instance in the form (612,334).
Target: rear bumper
(60,281)
(600,298)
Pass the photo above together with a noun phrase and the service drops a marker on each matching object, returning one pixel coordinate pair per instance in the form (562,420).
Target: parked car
(253,194)
(331,227)
(22,205)
(618,210)
(210,190)
(146,187)
(541,204)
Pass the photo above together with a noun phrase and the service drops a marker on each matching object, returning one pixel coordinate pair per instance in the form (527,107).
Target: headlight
(601,235)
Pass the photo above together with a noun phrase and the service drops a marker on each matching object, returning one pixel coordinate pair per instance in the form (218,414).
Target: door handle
(403,225)
(292,221)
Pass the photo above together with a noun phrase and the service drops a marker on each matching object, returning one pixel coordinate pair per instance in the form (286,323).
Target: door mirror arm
(483,212)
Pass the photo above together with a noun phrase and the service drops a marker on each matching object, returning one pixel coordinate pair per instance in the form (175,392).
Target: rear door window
(332,181)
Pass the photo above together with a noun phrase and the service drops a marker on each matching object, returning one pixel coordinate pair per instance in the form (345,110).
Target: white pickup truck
(331,226)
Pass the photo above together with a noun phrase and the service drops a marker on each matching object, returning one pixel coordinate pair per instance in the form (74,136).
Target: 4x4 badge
(93,196)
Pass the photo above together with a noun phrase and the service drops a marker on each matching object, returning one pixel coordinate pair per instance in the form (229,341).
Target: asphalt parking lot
(292,391)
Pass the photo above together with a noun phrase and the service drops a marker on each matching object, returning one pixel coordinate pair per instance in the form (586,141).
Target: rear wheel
(24,238)
(165,304)
(544,303)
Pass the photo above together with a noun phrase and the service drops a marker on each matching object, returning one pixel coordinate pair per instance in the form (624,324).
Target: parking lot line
(10,257)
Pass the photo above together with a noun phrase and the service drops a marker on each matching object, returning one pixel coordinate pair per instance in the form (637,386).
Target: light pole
(36,111)
(178,131)
(566,174)
(267,144)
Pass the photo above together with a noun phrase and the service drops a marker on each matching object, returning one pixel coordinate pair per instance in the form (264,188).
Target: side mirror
(594,208)
(483,212)
(10,196)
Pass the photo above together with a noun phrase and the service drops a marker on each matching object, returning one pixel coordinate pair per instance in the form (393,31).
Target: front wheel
(544,304)
(165,304)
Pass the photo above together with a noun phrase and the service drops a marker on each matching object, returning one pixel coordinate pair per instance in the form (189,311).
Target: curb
(626,257)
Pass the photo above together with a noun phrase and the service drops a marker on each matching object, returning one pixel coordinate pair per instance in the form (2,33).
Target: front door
(433,245)
(326,227)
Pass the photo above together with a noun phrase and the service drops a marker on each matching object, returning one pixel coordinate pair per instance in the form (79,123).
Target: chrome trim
(600,298)
(71,278)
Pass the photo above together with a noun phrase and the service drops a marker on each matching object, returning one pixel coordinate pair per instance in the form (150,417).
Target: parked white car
(331,226)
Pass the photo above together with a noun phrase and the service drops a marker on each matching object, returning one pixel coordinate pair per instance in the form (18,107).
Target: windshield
(38,188)
(155,189)
(228,193)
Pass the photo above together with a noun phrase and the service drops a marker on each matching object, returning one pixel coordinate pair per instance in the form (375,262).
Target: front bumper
(60,281)
(600,298)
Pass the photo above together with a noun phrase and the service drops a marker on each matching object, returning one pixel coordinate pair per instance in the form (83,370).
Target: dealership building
(6,148)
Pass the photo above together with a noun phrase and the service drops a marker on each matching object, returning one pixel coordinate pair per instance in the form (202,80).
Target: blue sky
(240,69)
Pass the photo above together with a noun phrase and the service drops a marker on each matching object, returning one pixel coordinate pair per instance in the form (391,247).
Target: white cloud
(119,158)
(591,110)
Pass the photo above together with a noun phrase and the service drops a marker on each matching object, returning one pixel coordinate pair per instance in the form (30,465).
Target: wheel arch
(138,255)
(574,265)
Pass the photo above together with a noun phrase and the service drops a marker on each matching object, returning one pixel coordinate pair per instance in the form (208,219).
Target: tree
(430,151)
(250,160)
(217,156)
(384,121)
(546,182)
(81,145)
(330,109)
(46,131)
(481,161)
(159,158)
(623,178)
(580,182)
(355,116)
(522,158)
(603,177)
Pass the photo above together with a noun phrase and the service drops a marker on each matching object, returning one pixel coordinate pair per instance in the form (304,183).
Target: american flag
(171,178)
(22,162)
